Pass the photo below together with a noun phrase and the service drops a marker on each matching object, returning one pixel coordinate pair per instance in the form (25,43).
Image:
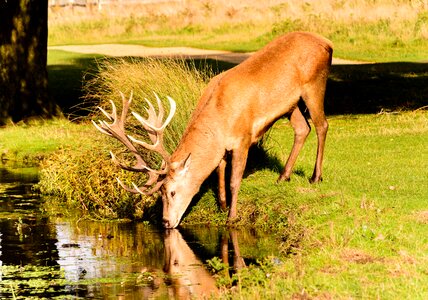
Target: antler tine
(135,190)
(160,106)
(158,128)
(151,119)
(139,166)
(152,147)
(171,112)
(141,190)
(101,127)
(111,116)
(154,126)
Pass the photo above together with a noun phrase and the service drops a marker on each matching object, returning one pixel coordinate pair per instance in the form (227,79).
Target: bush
(83,174)
(84,177)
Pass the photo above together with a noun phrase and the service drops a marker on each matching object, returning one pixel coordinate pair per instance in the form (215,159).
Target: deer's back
(247,99)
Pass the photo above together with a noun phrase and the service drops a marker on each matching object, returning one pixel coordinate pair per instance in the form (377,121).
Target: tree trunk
(23,59)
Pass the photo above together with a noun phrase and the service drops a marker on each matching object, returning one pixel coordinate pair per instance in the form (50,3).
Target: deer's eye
(172,194)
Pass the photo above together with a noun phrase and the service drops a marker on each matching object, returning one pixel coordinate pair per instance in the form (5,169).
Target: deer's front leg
(239,160)
(221,173)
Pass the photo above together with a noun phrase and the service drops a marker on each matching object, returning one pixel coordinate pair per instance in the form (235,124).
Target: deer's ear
(184,165)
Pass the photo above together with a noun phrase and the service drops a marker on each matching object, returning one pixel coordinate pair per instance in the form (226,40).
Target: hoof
(282,178)
(315,180)
(223,207)
(232,221)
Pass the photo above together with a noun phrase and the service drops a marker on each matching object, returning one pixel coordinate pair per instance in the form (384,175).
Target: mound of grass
(83,175)
(144,77)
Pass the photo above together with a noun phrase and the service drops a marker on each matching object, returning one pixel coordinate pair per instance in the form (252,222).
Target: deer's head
(172,179)
(177,192)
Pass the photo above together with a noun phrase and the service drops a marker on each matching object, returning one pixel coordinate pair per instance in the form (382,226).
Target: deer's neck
(206,148)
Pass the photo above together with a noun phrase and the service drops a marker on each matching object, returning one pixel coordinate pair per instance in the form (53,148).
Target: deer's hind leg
(301,131)
(313,97)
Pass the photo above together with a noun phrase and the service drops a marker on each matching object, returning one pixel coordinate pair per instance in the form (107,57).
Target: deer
(236,108)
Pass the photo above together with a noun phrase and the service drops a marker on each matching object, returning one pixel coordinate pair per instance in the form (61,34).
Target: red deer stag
(236,109)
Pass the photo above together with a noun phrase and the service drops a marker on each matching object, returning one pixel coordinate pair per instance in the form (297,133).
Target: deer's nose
(166,223)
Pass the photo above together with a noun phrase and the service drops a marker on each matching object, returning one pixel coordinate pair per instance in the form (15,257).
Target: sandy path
(116,50)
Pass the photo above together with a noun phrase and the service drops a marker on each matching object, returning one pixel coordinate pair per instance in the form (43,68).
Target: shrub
(83,174)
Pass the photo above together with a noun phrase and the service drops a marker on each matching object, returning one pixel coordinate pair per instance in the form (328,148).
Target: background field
(369,30)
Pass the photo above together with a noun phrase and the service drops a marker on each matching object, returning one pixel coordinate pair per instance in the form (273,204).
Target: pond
(46,256)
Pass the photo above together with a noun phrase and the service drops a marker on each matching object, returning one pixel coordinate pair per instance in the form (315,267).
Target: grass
(358,234)
(361,30)
(34,141)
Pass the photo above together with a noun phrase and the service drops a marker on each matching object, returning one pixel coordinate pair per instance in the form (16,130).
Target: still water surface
(45,256)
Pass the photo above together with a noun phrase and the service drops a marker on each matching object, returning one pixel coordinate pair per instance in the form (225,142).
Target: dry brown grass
(213,13)
(422,216)
(357,256)
(368,30)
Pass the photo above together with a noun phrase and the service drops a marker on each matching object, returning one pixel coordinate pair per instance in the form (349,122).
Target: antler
(155,126)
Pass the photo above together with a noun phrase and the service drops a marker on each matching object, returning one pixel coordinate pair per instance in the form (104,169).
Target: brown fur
(239,105)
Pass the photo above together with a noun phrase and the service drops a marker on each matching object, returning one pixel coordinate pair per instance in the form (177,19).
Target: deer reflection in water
(188,278)
(238,260)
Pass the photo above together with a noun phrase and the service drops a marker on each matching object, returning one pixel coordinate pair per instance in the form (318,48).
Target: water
(45,256)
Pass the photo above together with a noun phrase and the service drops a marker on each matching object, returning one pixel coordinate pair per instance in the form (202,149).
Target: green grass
(361,233)
(358,41)
(34,141)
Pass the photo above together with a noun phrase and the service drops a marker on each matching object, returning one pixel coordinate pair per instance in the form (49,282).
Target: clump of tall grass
(143,78)
(84,175)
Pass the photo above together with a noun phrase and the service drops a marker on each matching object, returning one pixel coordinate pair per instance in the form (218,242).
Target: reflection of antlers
(154,126)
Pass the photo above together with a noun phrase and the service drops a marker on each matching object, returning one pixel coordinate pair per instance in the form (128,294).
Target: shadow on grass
(351,89)
(367,88)
(373,88)
(66,85)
